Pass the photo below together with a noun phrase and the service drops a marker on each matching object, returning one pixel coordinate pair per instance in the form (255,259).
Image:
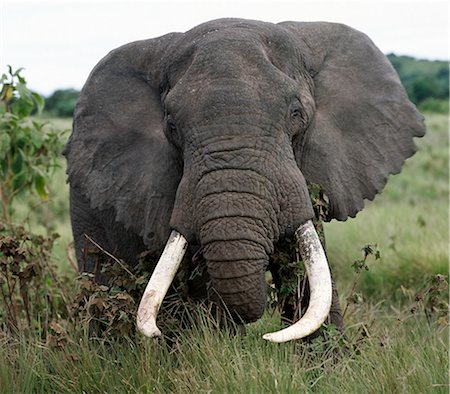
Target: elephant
(212,136)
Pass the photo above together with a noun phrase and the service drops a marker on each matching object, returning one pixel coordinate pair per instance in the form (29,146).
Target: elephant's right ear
(364,124)
(118,155)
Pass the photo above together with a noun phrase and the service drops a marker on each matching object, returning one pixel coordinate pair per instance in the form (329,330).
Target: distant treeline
(62,102)
(425,81)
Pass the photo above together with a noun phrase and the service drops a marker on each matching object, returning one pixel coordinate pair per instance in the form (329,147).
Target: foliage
(33,296)
(359,266)
(431,104)
(62,102)
(429,300)
(110,310)
(28,150)
(425,81)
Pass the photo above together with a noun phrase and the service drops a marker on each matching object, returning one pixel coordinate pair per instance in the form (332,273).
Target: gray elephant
(214,134)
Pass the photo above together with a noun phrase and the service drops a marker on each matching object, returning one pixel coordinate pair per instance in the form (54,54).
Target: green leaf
(5,143)
(17,162)
(39,100)
(39,186)
(17,72)
(37,139)
(19,181)
(24,92)
(22,108)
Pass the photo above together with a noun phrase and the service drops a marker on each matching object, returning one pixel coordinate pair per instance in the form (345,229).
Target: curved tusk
(159,283)
(319,279)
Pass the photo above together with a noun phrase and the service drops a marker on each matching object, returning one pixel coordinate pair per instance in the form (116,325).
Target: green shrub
(62,102)
(28,149)
(431,104)
(424,80)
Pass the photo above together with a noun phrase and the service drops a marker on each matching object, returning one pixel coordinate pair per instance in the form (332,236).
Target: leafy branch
(359,266)
(29,148)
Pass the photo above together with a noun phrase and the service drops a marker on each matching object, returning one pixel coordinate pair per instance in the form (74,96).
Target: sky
(59,42)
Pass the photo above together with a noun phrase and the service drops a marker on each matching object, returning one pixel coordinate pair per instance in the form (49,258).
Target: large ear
(118,155)
(364,124)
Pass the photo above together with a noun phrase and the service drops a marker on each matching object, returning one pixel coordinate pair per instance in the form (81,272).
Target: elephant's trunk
(237,225)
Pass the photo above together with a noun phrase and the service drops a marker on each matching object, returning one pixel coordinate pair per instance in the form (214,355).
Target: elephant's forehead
(232,34)
(231,27)
(233,46)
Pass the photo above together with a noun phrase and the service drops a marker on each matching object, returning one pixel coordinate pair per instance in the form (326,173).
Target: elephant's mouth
(316,267)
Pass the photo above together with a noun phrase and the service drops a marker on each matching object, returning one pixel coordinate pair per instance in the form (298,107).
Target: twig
(70,258)
(300,291)
(4,202)
(110,255)
(355,283)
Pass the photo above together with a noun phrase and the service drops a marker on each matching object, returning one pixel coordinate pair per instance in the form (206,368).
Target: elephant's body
(215,132)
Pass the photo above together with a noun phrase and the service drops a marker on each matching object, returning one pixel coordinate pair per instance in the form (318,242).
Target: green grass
(387,349)
(408,222)
(398,355)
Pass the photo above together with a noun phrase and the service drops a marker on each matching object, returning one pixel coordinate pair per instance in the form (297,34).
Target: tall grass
(384,352)
(397,333)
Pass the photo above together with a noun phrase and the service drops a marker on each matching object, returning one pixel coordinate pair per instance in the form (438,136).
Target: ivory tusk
(159,283)
(319,279)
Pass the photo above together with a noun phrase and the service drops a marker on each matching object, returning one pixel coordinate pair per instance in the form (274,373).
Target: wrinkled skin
(216,132)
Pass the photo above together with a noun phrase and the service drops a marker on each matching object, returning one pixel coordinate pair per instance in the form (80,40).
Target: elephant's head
(215,133)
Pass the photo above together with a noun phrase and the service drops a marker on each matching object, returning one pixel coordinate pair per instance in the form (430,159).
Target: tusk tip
(270,337)
(267,337)
(149,329)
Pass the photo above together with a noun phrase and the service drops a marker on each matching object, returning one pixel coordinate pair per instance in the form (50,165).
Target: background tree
(426,82)
(62,102)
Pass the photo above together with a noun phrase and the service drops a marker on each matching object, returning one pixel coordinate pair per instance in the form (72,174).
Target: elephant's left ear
(364,124)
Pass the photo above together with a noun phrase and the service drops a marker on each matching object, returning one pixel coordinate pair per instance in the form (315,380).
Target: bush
(32,295)
(431,104)
(28,149)
(62,102)
(424,80)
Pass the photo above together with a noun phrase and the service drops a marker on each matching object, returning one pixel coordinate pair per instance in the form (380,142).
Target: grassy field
(397,332)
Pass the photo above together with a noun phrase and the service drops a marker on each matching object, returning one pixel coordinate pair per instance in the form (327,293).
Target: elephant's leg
(97,237)
(87,229)
(335,316)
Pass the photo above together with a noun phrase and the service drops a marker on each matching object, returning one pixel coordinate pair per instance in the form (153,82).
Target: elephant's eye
(171,124)
(172,132)
(295,113)
(296,118)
